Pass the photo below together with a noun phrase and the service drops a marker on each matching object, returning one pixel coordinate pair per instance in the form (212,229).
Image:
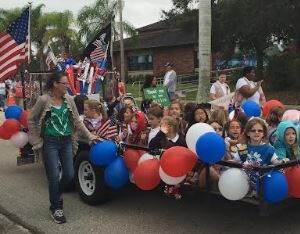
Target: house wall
(182,58)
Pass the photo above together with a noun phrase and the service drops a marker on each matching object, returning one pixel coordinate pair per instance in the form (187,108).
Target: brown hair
(275,115)
(179,103)
(96,105)
(250,125)
(219,116)
(156,111)
(171,121)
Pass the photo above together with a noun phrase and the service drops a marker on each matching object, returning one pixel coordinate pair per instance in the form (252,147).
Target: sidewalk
(10,227)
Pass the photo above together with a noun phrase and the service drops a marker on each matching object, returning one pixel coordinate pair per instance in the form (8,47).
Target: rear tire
(89,180)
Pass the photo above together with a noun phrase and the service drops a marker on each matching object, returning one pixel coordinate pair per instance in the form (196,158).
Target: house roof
(161,34)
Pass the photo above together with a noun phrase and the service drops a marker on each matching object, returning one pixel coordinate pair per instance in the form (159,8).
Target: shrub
(283,72)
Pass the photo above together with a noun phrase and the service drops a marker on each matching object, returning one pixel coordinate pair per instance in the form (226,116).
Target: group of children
(252,142)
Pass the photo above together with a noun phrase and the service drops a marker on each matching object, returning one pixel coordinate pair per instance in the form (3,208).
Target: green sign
(158,94)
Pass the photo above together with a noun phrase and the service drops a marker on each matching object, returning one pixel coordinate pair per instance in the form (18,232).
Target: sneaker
(58,216)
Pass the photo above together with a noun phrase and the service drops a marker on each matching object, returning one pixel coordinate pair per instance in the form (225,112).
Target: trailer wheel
(89,180)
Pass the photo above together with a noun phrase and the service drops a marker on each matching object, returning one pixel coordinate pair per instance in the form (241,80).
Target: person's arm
(212,92)
(262,97)
(247,91)
(34,133)
(155,143)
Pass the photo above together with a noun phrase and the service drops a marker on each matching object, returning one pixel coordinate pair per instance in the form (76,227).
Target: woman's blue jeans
(58,149)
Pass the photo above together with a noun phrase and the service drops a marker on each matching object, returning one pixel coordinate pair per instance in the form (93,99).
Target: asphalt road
(24,198)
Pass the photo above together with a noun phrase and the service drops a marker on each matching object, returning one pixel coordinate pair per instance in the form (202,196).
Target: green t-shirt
(58,122)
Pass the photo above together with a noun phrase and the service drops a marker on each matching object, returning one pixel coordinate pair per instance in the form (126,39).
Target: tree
(59,29)
(254,25)
(7,17)
(91,19)
(204,51)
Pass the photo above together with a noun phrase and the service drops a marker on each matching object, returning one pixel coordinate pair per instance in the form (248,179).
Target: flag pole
(112,42)
(122,56)
(29,33)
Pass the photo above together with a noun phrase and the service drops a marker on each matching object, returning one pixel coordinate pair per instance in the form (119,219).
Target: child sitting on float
(287,144)
(96,120)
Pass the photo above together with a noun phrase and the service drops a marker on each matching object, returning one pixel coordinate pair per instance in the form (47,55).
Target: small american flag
(51,58)
(14,46)
(99,52)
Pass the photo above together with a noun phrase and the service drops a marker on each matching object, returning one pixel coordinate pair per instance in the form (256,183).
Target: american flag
(51,58)
(14,46)
(99,52)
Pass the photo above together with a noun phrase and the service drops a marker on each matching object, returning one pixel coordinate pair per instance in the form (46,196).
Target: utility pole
(122,57)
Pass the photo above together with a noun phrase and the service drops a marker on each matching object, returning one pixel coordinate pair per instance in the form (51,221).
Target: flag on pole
(51,58)
(14,45)
(98,49)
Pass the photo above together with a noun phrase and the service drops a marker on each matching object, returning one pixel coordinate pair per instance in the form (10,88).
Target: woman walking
(53,124)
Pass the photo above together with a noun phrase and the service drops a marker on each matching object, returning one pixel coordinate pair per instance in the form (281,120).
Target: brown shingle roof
(161,34)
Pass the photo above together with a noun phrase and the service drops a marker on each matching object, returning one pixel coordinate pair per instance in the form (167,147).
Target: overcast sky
(137,12)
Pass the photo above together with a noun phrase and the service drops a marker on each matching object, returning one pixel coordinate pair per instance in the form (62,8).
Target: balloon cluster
(105,153)
(202,139)
(13,126)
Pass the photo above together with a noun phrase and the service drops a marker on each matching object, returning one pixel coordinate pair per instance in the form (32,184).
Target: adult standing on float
(170,80)
(219,88)
(53,124)
(150,82)
(248,89)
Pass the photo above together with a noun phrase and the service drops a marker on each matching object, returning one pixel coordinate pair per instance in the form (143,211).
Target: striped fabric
(14,46)
(104,129)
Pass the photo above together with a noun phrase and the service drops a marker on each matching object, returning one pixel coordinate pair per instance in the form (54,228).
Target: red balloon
(146,175)
(293,177)
(5,135)
(178,161)
(269,105)
(11,126)
(23,118)
(131,158)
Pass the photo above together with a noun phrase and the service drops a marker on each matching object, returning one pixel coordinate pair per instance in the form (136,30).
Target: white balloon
(234,184)
(194,132)
(145,157)
(19,139)
(169,179)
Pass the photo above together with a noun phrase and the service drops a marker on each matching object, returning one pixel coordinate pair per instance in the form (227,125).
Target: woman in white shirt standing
(219,88)
(248,89)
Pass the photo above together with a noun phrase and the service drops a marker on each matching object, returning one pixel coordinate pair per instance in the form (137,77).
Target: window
(140,62)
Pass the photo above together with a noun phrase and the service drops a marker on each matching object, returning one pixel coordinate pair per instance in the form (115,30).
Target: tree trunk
(204,50)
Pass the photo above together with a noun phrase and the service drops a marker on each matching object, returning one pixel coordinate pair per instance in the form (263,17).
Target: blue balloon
(275,187)
(103,153)
(210,147)
(13,112)
(116,174)
(251,109)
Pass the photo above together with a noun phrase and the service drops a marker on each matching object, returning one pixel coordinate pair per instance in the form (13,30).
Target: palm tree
(7,17)
(59,29)
(204,51)
(91,19)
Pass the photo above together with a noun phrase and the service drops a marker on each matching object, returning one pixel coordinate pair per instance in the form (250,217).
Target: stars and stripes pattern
(99,52)
(14,46)
(104,128)
(107,131)
(51,58)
